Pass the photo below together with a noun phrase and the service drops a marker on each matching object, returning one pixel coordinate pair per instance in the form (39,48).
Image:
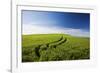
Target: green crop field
(54,47)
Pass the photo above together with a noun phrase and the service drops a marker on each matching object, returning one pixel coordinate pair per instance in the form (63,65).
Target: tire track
(53,44)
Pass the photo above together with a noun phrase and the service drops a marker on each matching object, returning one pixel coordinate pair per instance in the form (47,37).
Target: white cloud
(35,29)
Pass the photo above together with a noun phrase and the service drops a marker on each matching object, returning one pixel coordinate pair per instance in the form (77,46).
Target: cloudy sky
(44,22)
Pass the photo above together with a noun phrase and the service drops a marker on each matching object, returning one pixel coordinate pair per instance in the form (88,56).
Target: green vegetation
(54,47)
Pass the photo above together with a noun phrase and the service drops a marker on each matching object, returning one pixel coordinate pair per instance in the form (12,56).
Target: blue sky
(55,22)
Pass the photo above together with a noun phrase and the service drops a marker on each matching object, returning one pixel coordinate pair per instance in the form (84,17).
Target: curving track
(53,44)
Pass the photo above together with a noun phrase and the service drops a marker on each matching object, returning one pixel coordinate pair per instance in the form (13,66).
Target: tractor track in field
(59,42)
